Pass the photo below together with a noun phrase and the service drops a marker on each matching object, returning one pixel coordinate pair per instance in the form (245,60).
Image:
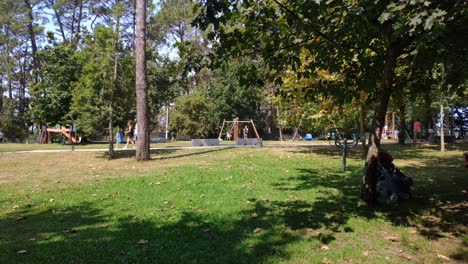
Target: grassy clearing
(239,205)
(8,147)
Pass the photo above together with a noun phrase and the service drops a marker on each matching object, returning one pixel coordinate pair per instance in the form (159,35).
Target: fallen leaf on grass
(254,215)
(15,206)
(104,225)
(51,200)
(256,230)
(143,242)
(442,257)
(393,238)
(326,260)
(69,230)
(365,253)
(313,232)
(205,230)
(20,218)
(23,251)
(324,247)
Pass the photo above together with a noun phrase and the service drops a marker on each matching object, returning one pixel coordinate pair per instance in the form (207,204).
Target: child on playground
(119,137)
(129,133)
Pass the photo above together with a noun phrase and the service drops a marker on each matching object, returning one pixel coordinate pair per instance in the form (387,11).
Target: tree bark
(22,87)
(114,87)
(362,129)
(368,185)
(72,28)
(402,125)
(32,34)
(142,152)
(59,20)
(1,94)
(78,27)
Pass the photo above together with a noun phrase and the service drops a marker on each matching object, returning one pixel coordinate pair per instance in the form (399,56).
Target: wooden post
(222,127)
(236,129)
(255,129)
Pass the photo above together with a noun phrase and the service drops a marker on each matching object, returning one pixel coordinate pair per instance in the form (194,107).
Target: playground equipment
(44,135)
(234,131)
(338,135)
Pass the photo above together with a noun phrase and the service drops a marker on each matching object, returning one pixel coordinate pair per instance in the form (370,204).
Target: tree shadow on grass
(85,234)
(163,154)
(336,202)
(439,203)
(438,207)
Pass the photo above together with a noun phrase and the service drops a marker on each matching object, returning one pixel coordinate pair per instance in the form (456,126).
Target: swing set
(233,132)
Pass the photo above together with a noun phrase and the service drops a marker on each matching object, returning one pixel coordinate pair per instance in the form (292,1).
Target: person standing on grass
(417,129)
(395,133)
(129,133)
(135,134)
(246,132)
(119,137)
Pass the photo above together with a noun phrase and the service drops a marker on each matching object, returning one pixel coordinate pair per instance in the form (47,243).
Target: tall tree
(51,98)
(373,33)
(143,151)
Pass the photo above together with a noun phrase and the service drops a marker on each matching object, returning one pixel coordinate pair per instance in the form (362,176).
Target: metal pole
(167,121)
(442,140)
(345,152)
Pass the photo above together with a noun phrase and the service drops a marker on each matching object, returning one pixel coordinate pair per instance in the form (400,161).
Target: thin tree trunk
(10,87)
(402,125)
(134,25)
(80,17)
(32,34)
(368,185)
(22,88)
(1,94)
(59,21)
(142,152)
(8,64)
(115,86)
(72,28)
(362,129)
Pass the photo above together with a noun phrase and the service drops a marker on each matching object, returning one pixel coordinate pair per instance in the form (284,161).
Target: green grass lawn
(8,147)
(239,205)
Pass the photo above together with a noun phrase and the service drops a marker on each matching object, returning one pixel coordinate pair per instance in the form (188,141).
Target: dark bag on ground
(391,182)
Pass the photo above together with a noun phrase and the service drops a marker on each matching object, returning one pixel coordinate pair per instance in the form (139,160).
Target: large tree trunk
(142,152)
(368,187)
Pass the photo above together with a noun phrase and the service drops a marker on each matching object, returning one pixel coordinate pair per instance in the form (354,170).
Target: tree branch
(317,31)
